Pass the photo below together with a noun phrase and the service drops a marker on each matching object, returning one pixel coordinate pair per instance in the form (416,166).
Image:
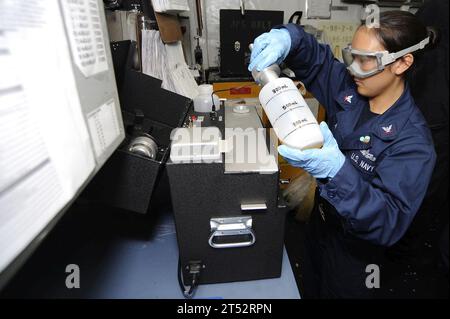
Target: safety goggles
(363,64)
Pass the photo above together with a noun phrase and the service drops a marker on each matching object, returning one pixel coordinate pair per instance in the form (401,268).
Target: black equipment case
(127,180)
(204,195)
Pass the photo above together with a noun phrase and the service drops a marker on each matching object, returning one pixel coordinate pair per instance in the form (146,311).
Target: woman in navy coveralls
(374,168)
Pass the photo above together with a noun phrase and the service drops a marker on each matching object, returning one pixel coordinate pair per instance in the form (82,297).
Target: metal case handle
(231,226)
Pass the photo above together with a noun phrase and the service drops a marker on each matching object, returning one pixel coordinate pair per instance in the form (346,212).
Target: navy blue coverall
(372,200)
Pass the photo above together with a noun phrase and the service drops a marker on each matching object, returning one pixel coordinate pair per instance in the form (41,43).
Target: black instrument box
(231,224)
(237,31)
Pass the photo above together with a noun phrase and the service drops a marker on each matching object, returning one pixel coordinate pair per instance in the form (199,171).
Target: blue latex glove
(320,163)
(269,48)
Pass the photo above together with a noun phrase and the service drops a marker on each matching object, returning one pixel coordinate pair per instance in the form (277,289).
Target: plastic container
(203,101)
(290,116)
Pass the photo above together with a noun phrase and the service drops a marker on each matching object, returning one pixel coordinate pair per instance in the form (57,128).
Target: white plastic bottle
(290,116)
(203,102)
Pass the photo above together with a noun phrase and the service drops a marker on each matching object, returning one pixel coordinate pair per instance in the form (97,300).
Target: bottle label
(279,88)
(285,107)
(291,105)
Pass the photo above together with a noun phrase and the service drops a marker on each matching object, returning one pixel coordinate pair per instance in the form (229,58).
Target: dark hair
(400,30)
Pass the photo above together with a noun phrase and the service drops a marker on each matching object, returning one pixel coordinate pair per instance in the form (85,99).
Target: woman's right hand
(269,48)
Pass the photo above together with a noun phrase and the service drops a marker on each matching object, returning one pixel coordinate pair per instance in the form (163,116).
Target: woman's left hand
(320,163)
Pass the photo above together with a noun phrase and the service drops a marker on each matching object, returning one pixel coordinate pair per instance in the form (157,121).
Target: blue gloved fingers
(291,162)
(294,156)
(271,58)
(310,154)
(289,152)
(312,162)
(298,155)
(320,163)
(254,62)
(263,60)
(279,60)
(328,138)
(310,158)
(284,151)
(259,44)
(270,48)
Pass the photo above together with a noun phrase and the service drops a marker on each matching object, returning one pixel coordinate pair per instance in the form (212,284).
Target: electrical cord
(229,89)
(194,270)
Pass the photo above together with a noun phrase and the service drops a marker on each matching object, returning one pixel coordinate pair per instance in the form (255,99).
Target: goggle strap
(394,56)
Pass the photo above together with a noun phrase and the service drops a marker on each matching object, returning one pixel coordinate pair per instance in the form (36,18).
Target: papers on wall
(104,127)
(45,149)
(166,62)
(82,19)
(182,79)
(154,56)
(318,9)
(170,5)
(338,35)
